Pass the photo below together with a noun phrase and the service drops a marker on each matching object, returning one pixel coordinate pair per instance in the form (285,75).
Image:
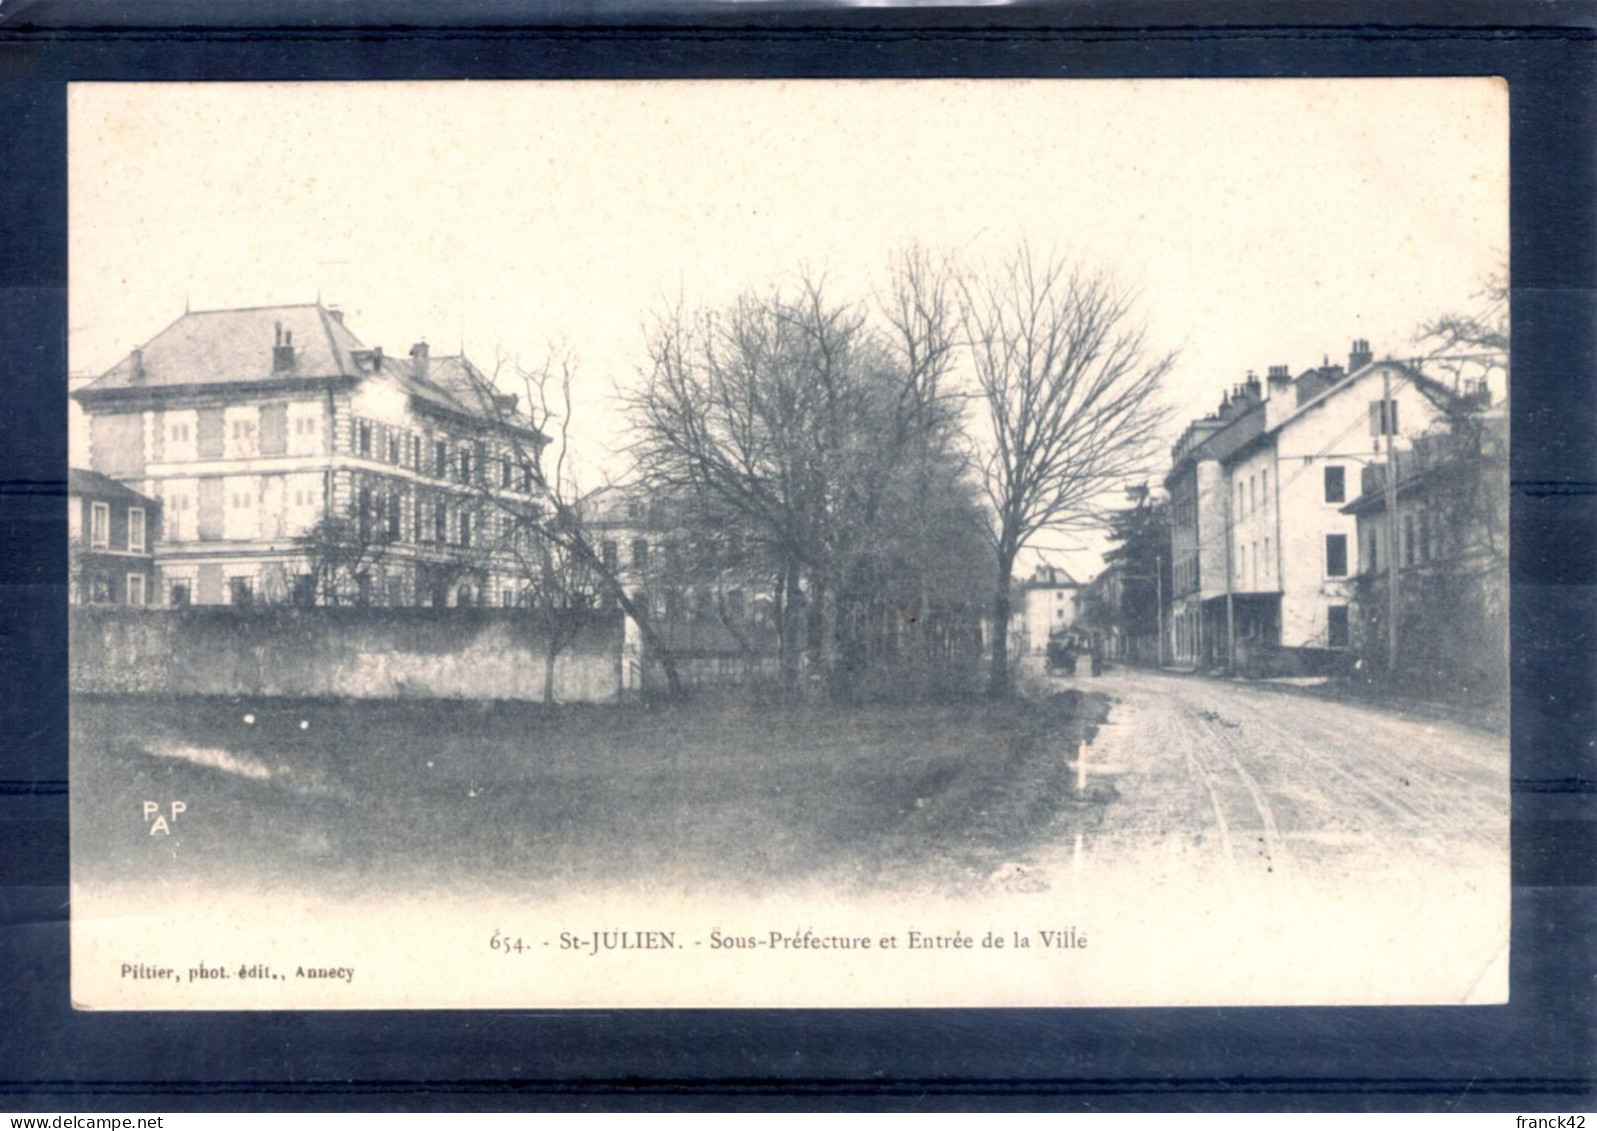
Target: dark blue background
(1534,1054)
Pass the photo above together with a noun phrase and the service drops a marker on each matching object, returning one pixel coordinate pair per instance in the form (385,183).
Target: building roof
(1246,430)
(1432,455)
(215,347)
(236,347)
(91,484)
(1050,577)
(1439,393)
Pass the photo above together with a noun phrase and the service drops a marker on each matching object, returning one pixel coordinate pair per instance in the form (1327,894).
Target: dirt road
(1261,782)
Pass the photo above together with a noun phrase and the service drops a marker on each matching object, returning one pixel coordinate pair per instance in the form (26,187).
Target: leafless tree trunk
(1069,410)
(546,530)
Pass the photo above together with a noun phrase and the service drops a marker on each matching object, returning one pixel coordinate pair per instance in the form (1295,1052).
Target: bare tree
(812,420)
(343,552)
(1472,346)
(541,528)
(1067,393)
(735,405)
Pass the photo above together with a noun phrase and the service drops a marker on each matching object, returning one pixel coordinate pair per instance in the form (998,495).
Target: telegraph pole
(1394,548)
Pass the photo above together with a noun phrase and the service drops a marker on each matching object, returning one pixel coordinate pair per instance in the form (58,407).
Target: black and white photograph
(815,543)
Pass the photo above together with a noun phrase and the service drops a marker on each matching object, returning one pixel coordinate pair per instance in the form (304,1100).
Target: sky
(1261,222)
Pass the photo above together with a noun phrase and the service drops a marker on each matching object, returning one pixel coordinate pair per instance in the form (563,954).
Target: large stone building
(1262,557)
(294,463)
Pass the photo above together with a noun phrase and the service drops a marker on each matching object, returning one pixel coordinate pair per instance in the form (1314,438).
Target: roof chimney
(283,351)
(1359,356)
(137,357)
(418,359)
(337,313)
(1276,407)
(377,359)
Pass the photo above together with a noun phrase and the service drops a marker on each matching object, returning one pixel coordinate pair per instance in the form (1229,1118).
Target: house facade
(110,531)
(1048,606)
(293,463)
(1263,558)
(1448,546)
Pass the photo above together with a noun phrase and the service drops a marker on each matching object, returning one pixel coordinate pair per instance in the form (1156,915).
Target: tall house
(1049,604)
(277,443)
(1263,559)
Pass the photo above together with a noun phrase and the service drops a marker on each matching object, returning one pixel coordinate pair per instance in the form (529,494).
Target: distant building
(1047,606)
(708,594)
(1262,557)
(110,531)
(258,429)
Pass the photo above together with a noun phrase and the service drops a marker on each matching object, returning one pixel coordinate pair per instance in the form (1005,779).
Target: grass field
(404,795)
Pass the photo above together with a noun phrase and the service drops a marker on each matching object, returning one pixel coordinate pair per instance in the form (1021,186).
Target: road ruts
(1258,781)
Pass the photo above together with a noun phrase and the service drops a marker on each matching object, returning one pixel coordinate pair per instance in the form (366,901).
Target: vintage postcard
(821,543)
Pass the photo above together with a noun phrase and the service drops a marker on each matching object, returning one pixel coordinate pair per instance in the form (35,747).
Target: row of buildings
(1283,537)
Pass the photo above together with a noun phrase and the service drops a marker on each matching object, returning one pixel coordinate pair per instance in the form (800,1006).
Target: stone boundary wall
(485,654)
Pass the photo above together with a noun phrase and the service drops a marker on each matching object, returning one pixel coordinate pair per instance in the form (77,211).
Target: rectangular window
(1267,558)
(363,513)
(526,480)
(1336,627)
(180,594)
(1425,536)
(208,433)
(1253,494)
(440,459)
(100,525)
(274,429)
(393,516)
(211,521)
(465,528)
(609,553)
(465,465)
(1372,564)
(136,530)
(1336,555)
(640,553)
(1335,484)
(1241,503)
(440,523)
(135,589)
(364,438)
(241,591)
(393,447)
(1264,488)
(504,473)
